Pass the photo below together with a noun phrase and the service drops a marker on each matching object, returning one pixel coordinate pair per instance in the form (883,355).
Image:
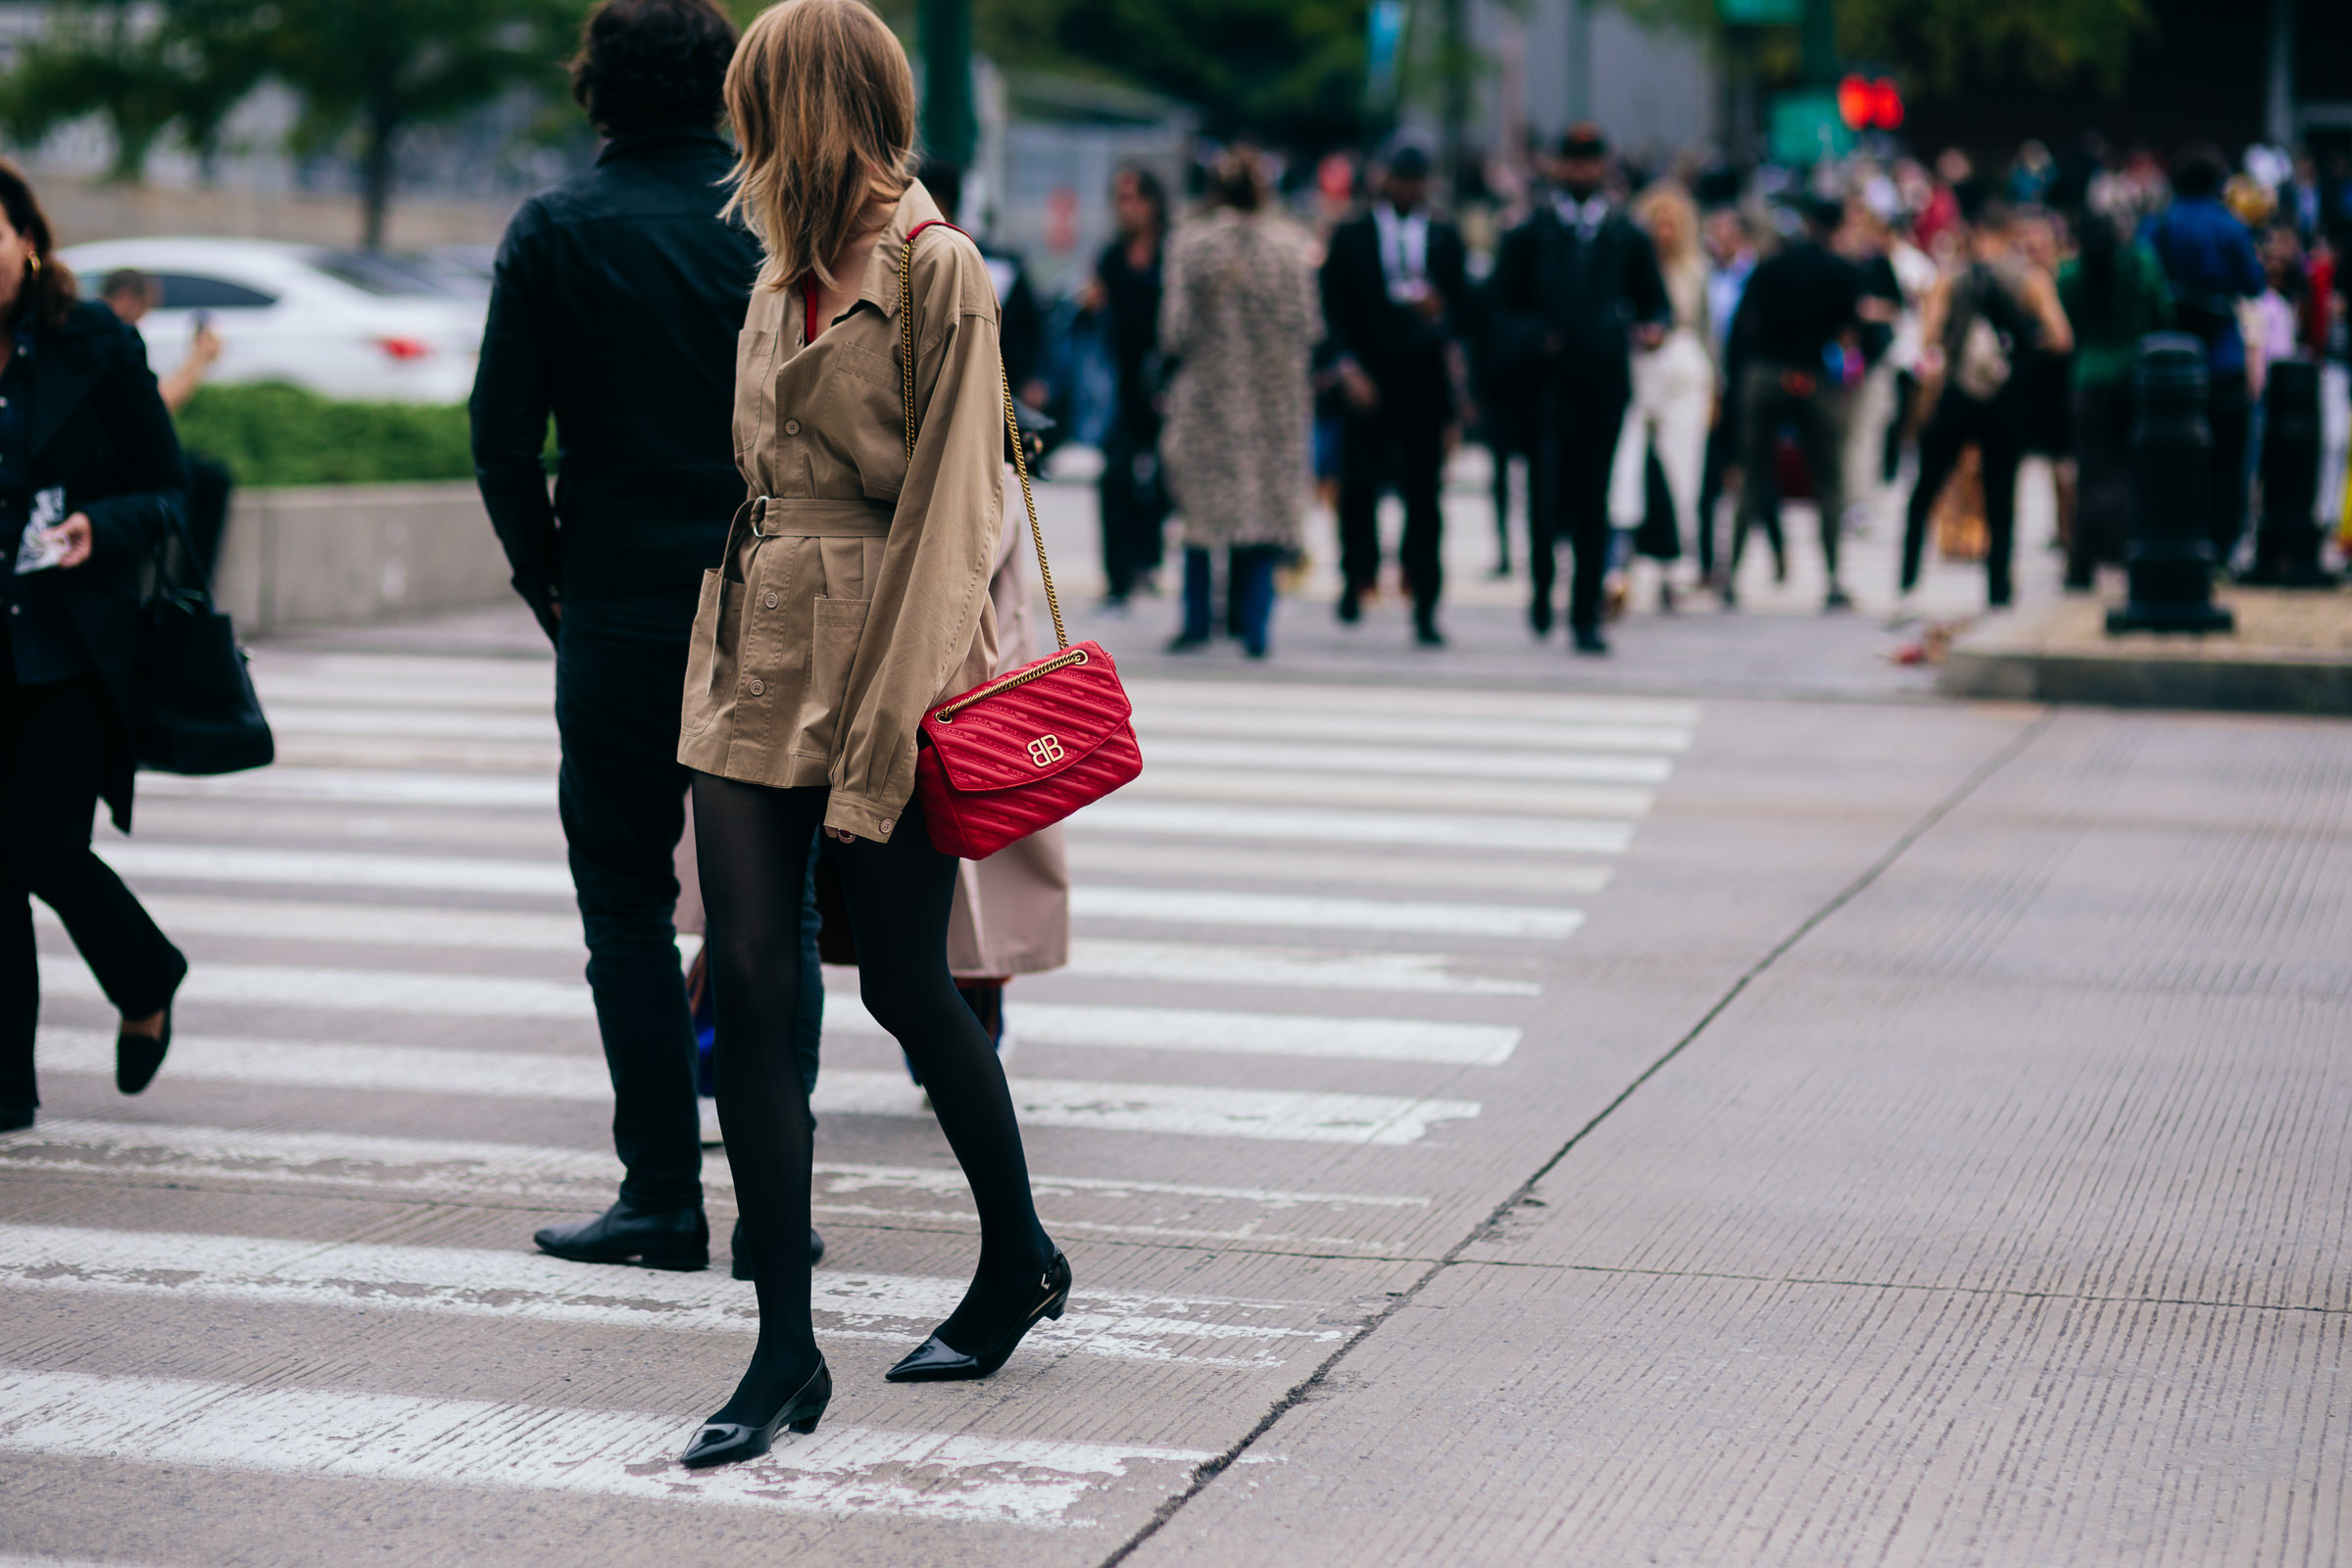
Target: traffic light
(1867,105)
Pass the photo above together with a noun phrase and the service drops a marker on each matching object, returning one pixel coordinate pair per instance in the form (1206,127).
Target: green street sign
(1760,12)
(1806,129)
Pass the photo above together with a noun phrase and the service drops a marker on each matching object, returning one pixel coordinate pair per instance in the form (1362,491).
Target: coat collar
(880,288)
(665,141)
(67,362)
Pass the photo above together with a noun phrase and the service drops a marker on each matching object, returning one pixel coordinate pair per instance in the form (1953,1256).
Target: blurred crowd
(1669,355)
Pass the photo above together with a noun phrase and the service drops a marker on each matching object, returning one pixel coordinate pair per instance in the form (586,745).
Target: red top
(809,283)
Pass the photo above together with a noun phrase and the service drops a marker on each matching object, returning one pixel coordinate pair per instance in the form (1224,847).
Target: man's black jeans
(1577,443)
(56,740)
(1408,450)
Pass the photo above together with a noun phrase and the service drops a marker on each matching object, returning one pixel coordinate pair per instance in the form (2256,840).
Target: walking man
(616,307)
(1576,286)
(1395,283)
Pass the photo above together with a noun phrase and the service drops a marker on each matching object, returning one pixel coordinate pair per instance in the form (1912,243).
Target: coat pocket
(840,623)
(717,621)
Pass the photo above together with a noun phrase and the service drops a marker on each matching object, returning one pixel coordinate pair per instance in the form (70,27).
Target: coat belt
(804,518)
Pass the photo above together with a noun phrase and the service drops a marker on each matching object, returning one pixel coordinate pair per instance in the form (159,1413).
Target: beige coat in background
(854,589)
(1013,909)
(1241,314)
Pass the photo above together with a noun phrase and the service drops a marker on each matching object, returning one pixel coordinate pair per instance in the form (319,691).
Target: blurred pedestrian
(2208,259)
(850,593)
(1674,383)
(130,294)
(1239,319)
(1575,286)
(1730,259)
(91,485)
(2046,378)
(1874,400)
(615,306)
(1792,317)
(1126,289)
(1395,285)
(1989,307)
(2114,294)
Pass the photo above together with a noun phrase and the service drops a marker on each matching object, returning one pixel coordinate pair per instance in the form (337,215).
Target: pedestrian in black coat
(617,300)
(1395,286)
(91,483)
(1575,287)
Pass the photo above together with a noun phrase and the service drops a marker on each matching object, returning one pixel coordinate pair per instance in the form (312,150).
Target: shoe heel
(1054,1309)
(807,1426)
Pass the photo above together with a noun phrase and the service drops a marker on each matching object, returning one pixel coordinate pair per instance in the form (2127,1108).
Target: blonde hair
(1669,194)
(822,101)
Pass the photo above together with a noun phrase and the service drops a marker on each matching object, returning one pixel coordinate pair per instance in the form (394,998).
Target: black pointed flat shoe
(727,1441)
(739,1265)
(138,1057)
(937,1361)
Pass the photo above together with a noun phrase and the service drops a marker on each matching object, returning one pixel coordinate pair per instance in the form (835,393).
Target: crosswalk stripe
(1255,755)
(1256,1034)
(362,786)
(1297,787)
(477,1283)
(1294,825)
(529,758)
(282,688)
(1157,723)
(329,1433)
(427,926)
(438,722)
(1218,907)
(226,862)
(1399,703)
(1093,855)
(1288,1116)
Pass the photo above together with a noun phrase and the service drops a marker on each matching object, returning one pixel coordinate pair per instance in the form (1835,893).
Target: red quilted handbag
(1027,748)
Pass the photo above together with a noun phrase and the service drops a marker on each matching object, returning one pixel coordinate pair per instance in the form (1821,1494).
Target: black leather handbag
(198,711)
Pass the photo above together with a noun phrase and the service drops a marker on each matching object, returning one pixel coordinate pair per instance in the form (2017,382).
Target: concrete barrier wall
(346,554)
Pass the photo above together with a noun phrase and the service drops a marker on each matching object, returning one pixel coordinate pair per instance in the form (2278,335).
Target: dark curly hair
(49,289)
(647,63)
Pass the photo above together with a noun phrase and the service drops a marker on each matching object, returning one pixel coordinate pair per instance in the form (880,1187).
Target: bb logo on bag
(1045,751)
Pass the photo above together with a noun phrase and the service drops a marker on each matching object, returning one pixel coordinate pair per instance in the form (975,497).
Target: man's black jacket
(1563,301)
(1402,349)
(617,300)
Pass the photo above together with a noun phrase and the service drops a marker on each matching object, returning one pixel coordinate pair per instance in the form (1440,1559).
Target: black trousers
(1135,507)
(1405,448)
(57,743)
(1766,404)
(1998,431)
(620,665)
(1574,448)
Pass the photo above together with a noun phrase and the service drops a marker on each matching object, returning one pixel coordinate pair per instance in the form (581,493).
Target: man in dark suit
(615,306)
(1575,286)
(1395,283)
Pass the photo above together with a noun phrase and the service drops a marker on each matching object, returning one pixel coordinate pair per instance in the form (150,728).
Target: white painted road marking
(476,1283)
(1184,905)
(1455,763)
(1303,1117)
(1518,871)
(1122,813)
(365,786)
(1155,720)
(1397,704)
(1299,788)
(207,862)
(1316,970)
(328,1433)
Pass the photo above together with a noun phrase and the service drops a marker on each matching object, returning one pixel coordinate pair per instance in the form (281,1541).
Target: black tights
(751,845)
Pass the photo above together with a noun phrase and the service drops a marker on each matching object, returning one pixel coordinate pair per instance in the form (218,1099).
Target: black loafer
(674,1239)
(15,1115)
(937,1361)
(740,1267)
(138,1057)
(727,1441)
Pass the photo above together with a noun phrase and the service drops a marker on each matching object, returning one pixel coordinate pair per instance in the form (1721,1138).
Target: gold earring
(33,264)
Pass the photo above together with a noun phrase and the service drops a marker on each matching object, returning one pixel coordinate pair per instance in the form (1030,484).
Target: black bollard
(2287,542)
(2168,563)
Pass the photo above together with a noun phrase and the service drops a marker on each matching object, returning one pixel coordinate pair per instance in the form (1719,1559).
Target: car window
(187,291)
(378,273)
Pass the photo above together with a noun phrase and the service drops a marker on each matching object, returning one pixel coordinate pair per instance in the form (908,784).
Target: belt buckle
(759,515)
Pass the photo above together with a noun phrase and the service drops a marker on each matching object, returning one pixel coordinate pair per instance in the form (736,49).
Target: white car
(348,324)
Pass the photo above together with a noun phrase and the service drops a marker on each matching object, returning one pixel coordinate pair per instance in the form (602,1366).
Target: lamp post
(2169,561)
(942,30)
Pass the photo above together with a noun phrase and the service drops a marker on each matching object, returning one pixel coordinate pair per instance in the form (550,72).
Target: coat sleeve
(932,587)
(1338,316)
(1514,325)
(154,476)
(1644,284)
(1176,299)
(508,415)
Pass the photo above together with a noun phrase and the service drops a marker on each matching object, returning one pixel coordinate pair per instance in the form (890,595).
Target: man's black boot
(676,1238)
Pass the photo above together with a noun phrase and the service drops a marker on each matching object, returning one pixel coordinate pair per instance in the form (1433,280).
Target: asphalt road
(1488,1125)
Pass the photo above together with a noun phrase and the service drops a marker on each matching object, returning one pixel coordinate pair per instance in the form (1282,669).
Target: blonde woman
(1674,383)
(854,592)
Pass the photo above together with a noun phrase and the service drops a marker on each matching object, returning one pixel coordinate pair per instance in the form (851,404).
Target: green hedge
(273,434)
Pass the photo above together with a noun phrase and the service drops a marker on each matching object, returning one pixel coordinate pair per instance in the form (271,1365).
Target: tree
(364,70)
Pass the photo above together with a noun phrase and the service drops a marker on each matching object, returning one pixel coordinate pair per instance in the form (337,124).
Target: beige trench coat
(1013,909)
(852,593)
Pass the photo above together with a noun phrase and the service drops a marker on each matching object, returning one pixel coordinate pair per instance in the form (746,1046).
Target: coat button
(757,688)
(888,824)
(792,427)
(770,601)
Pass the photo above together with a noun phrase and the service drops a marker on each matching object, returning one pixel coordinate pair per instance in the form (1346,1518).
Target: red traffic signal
(1866,105)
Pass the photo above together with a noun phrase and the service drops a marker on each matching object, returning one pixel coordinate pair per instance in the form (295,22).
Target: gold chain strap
(1012,426)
